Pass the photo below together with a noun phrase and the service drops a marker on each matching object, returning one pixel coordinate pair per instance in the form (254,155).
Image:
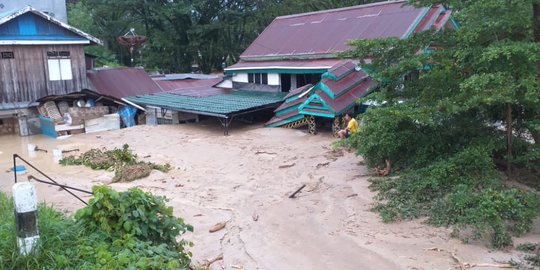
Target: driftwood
(292,196)
(72,150)
(322,164)
(386,170)
(286,165)
(264,152)
(217,227)
(465,265)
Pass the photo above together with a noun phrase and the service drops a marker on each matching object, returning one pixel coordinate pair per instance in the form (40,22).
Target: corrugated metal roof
(218,105)
(348,99)
(323,64)
(298,90)
(345,83)
(122,82)
(284,119)
(16,105)
(323,33)
(29,30)
(183,76)
(194,88)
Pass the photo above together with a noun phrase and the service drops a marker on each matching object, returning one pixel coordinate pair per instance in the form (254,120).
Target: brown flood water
(44,161)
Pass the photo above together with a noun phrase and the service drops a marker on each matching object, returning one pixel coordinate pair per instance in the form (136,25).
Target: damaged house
(39,56)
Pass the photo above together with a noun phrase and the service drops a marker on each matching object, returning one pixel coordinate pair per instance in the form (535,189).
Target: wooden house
(39,56)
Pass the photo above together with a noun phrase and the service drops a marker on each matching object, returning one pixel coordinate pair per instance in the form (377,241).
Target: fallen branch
(217,227)
(286,165)
(292,196)
(386,170)
(322,164)
(264,152)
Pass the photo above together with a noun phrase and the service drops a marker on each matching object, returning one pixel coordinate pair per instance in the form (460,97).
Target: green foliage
(122,161)
(447,99)
(135,212)
(66,243)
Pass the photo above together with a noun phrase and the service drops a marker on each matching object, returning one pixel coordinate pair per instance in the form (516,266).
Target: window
(7,55)
(258,78)
(59,64)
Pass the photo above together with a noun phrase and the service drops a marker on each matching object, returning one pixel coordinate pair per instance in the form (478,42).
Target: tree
(476,99)
(210,33)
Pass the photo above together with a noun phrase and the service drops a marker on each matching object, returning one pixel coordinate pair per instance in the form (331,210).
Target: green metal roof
(219,105)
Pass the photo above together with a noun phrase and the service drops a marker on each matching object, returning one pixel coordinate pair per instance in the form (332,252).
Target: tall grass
(58,240)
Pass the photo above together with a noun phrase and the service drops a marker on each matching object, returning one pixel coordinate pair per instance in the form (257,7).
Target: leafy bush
(447,173)
(122,161)
(134,212)
(91,242)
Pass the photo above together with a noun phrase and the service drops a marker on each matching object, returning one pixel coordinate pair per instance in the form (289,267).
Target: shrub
(90,242)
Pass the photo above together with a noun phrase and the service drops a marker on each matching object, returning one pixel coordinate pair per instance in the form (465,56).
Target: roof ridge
(341,9)
(28,8)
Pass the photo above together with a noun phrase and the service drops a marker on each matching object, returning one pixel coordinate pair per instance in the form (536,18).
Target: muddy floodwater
(244,180)
(43,159)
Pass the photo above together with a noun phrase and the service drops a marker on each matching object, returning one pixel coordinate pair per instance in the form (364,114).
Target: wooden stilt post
(336,126)
(312,126)
(25,202)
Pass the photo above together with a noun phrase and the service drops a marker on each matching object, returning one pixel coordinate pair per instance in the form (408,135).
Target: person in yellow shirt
(352,127)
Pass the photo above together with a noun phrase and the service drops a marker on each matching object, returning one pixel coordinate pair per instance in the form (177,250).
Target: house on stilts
(299,55)
(40,55)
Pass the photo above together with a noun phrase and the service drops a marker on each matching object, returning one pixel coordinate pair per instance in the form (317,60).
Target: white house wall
(226,83)
(240,77)
(273,79)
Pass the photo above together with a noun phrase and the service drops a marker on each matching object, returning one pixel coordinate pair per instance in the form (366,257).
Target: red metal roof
(341,69)
(122,82)
(298,90)
(349,98)
(282,117)
(290,64)
(327,32)
(345,83)
(192,87)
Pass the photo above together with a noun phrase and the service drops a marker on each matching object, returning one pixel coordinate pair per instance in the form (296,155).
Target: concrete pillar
(25,202)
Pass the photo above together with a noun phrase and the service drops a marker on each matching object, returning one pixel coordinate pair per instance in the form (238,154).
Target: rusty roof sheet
(327,32)
(122,82)
(192,87)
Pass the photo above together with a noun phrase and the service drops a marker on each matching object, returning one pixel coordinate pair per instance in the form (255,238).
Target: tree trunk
(509,140)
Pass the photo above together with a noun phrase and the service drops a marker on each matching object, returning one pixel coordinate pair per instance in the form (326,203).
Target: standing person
(352,127)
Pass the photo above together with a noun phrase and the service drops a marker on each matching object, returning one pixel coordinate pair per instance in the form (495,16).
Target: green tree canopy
(460,107)
(209,33)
